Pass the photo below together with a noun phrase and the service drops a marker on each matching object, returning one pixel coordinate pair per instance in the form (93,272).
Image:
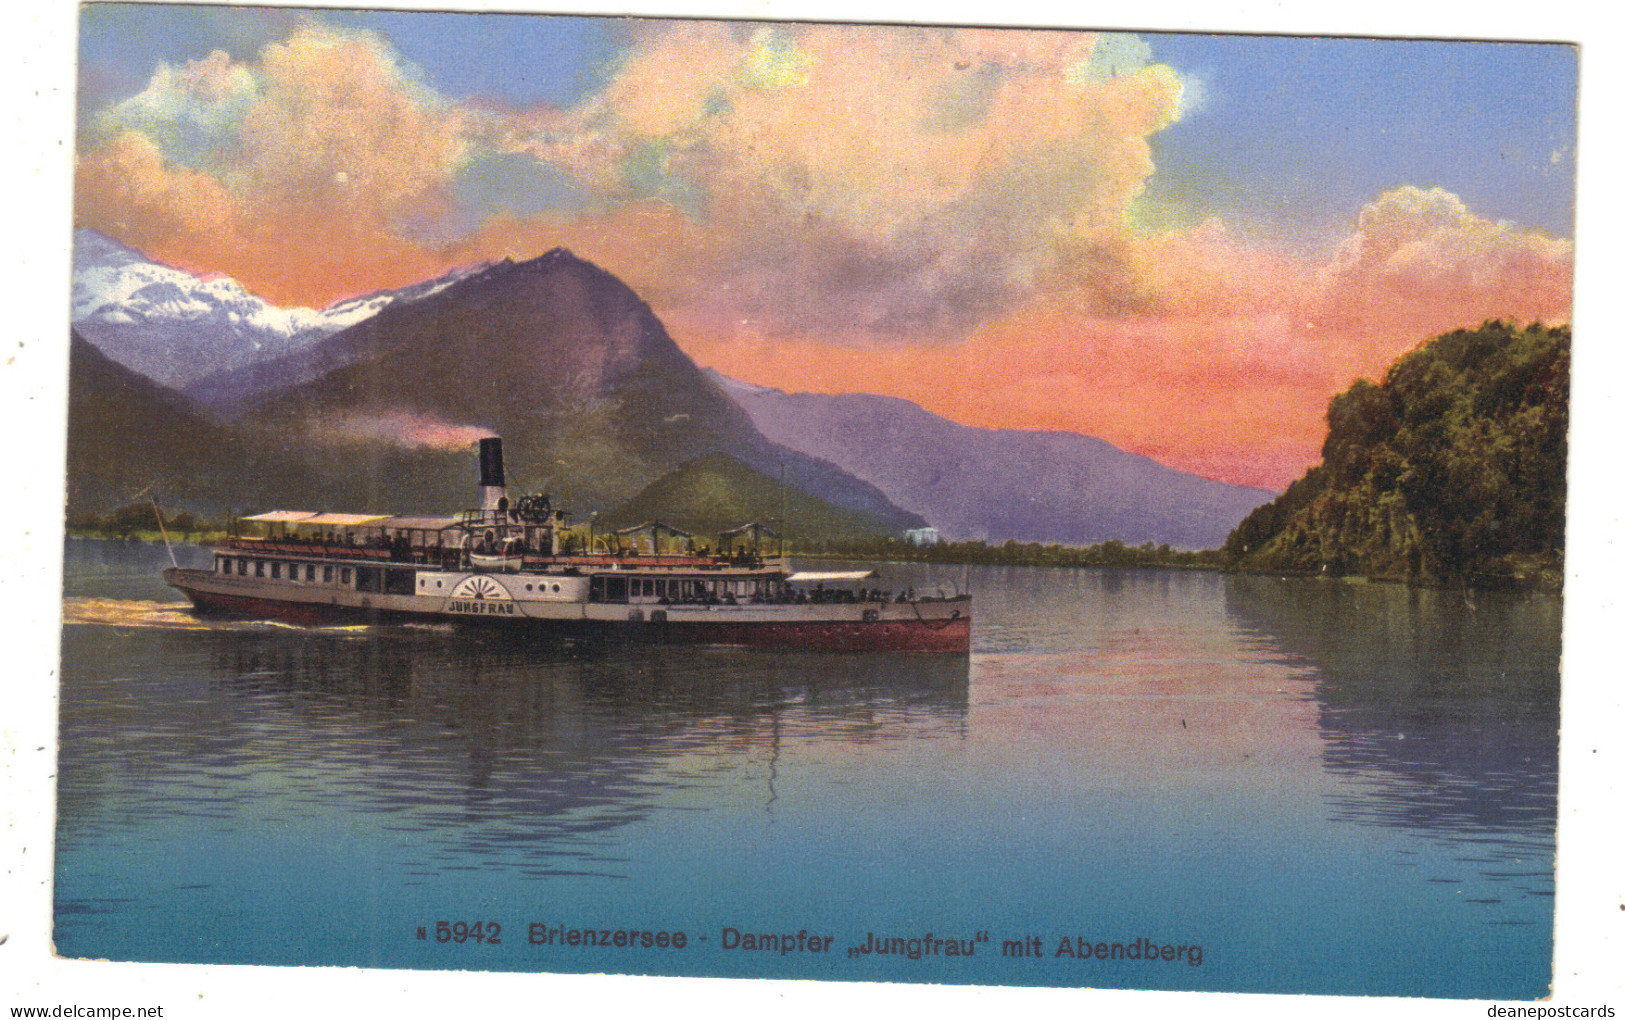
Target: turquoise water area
(1306,786)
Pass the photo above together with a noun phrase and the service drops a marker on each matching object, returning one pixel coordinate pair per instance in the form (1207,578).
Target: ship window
(344,575)
(276,569)
(327,575)
(530,587)
(399,582)
(242,568)
(555,587)
(259,568)
(310,571)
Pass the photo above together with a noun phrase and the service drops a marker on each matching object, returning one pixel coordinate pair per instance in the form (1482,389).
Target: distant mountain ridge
(593,399)
(999,484)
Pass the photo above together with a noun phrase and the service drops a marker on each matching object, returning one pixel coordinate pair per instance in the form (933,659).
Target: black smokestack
(491,463)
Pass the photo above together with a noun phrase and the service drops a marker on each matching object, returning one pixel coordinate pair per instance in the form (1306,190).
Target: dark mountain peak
(555,354)
(606,292)
(92,370)
(128,434)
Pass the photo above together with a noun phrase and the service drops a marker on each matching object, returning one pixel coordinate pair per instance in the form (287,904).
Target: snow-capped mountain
(175,327)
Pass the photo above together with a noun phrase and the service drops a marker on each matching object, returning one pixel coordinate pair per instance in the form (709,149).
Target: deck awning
(419,523)
(654,527)
(830,575)
(282,517)
(752,528)
(346,520)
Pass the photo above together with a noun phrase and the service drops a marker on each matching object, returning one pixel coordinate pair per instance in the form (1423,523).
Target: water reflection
(1364,768)
(499,749)
(1438,707)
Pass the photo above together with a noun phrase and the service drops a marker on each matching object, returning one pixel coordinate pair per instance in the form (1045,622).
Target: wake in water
(152,615)
(433,628)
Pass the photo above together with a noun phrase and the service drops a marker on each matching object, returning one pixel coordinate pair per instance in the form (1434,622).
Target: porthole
(555,587)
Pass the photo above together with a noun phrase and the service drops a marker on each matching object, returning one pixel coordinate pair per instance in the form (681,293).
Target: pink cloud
(943,215)
(1422,257)
(413,431)
(1210,354)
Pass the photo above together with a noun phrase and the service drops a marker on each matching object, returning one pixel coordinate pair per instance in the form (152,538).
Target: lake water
(1286,785)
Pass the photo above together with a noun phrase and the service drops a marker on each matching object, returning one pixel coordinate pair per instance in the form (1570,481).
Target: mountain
(178,328)
(1454,466)
(999,484)
(127,433)
(715,492)
(593,399)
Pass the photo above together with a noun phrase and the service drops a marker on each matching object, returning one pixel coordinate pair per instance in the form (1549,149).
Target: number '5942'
(488,932)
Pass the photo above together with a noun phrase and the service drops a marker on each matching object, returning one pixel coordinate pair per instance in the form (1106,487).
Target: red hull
(884,636)
(947,636)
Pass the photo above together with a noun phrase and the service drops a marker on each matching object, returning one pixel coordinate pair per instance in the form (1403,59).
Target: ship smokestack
(493,486)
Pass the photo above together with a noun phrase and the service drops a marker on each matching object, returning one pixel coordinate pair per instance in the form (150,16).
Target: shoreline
(1538,584)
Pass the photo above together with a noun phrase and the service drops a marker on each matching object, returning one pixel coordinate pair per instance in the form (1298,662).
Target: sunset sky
(1182,244)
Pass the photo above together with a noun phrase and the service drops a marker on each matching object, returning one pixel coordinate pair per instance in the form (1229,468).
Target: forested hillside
(1452,468)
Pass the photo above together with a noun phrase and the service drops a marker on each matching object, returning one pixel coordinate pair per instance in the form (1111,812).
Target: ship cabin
(652,563)
(675,586)
(672,585)
(347,551)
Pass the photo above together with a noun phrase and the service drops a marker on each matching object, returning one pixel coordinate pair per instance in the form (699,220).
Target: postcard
(816,501)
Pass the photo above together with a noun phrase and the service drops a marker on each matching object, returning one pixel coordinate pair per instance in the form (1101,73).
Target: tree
(1454,465)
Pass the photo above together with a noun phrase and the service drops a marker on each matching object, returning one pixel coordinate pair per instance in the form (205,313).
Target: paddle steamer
(519,564)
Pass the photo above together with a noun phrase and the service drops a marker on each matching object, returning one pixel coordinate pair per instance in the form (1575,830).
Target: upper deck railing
(451,557)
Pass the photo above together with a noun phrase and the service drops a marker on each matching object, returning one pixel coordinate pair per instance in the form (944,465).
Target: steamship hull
(925,625)
(520,566)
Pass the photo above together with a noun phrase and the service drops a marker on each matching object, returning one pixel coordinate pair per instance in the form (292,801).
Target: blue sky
(1289,137)
(1301,132)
